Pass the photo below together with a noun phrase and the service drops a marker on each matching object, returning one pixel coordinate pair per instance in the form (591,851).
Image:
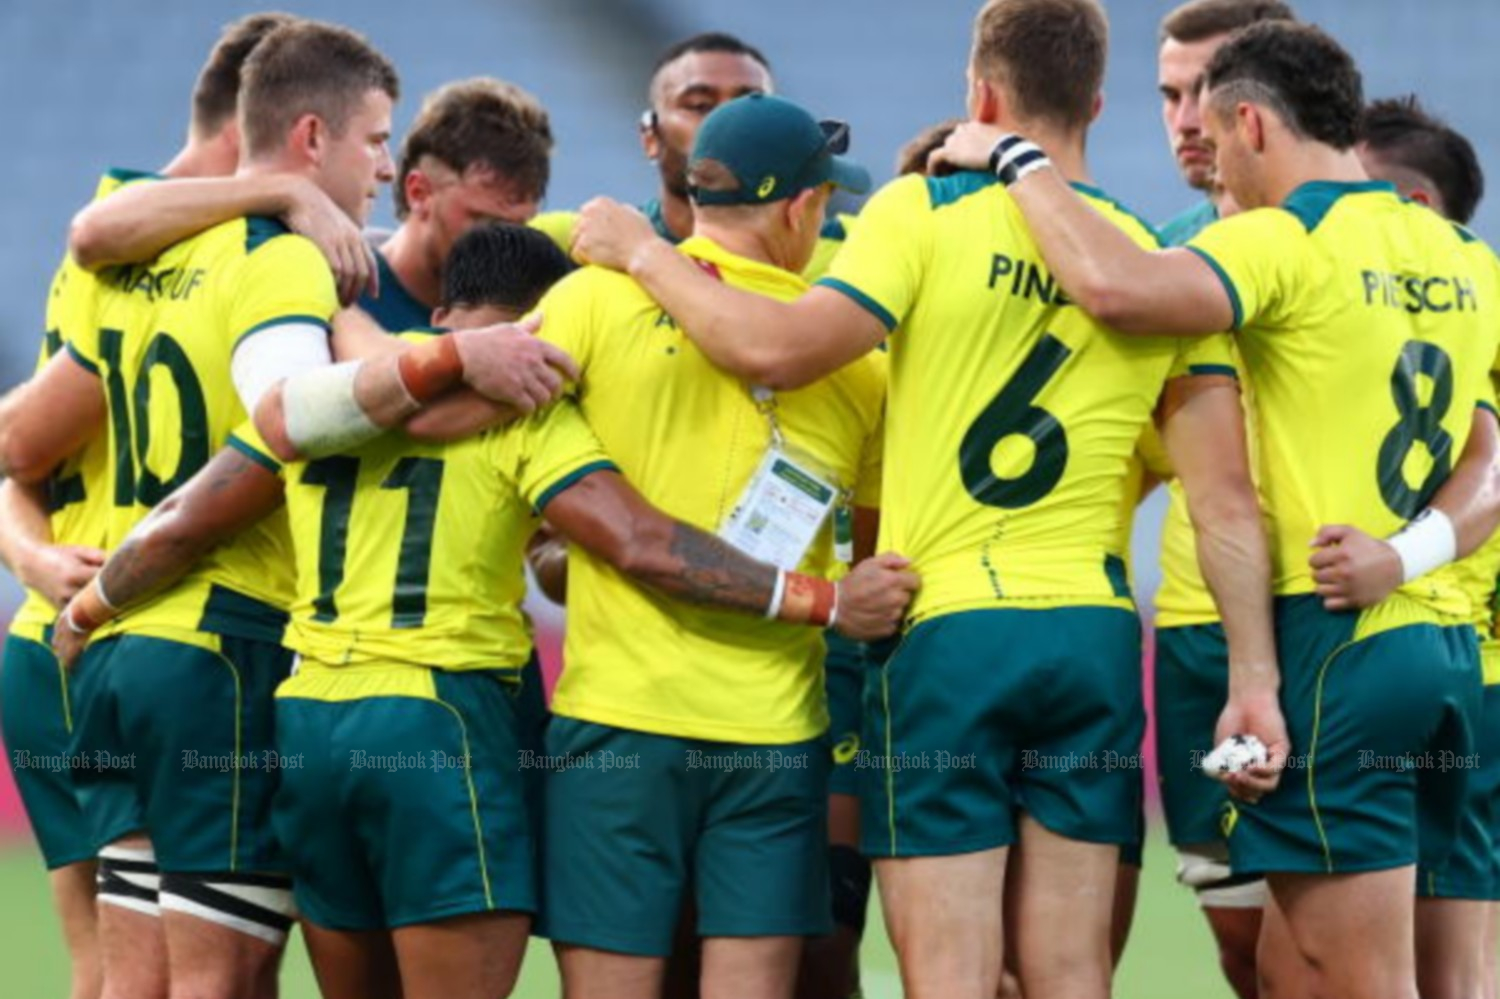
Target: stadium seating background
(90,84)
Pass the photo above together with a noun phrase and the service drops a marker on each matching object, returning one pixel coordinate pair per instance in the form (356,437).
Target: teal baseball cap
(775,149)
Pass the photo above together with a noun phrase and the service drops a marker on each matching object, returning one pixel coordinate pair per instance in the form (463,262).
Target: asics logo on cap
(766,187)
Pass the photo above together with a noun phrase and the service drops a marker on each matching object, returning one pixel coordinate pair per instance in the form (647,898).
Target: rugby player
(1432,164)
(691,79)
(316,101)
(1315,278)
(717,766)
(398,644)
(1188,38)
(1013,418)
(50,533)
(1191,673)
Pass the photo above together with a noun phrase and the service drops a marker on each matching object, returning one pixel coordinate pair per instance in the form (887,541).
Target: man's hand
(1256,713)
(873,598)
(1352,569)
(508,364)
(968,148)
(313,214)
(67,641)
(59,571)
(609,234)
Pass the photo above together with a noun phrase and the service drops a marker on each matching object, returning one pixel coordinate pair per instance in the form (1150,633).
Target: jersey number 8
(1417,423)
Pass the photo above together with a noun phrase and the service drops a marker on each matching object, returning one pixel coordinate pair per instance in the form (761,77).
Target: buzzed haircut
(216,95)
(1048,55)
(1402,132)
(502,265)
(914,155)
(1296,70)
(308,67)
(1200,20)
(485,123)
(708,41)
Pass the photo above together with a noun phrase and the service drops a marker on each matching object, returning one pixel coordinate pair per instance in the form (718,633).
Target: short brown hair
(308,67)
(1401,131)
(1049,56)
(216,95)
(1199,20)
(481,122)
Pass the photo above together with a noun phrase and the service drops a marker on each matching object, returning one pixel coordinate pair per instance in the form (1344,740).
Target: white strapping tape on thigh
(129,879)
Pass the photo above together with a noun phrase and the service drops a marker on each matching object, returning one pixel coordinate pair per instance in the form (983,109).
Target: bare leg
(1451,954)
(208,961)
(467,957)
(1356,930)
(598,974)
(1237,932)
(750,967)
(73,897)
(1281,970)
(1127,887)
(132,948)
(944,917)
(353,965)
(1064,891)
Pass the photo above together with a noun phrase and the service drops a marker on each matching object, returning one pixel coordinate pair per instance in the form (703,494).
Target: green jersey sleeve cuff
(302,320)
(862,300)
(574,477)
(1488,407)
(1227,370)
(83,362)
(255,454)
(1229,288)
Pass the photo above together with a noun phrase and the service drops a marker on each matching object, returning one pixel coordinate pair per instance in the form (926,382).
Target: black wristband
(1014,157)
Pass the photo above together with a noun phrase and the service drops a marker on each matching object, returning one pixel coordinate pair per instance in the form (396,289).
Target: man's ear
(417,187)
(309,138)
(1252,125)
(1421,196)
(650,137)
(985,102)
(440,316)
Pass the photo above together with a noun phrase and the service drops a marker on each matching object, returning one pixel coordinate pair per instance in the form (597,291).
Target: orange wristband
(430,369)
(807,600)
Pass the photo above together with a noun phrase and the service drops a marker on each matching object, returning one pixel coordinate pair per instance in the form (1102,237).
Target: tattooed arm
(603,514)
(229,494)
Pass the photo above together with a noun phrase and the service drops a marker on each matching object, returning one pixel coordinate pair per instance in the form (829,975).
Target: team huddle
(840,509)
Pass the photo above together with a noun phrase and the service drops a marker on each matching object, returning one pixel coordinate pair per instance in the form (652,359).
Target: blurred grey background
(89,84)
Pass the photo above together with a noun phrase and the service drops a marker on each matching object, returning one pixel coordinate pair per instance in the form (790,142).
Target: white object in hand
(1234,754)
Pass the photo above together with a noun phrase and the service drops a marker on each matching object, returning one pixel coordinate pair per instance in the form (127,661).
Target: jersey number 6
(1013,411)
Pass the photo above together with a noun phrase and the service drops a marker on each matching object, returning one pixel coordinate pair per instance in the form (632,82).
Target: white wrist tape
(777,595)
(833,613)
(1429,542)
(322,415)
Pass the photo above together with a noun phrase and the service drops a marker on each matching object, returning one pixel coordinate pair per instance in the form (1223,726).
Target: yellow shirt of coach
(691,438)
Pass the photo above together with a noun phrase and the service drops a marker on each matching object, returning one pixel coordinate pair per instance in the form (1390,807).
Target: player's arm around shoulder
(240,485)
(1122,284)
(781,345)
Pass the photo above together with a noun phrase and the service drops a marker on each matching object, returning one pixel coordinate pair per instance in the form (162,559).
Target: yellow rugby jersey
(1013,415)
(413,553)
(690,438)
(75,492)
(1368,333)
(166,331)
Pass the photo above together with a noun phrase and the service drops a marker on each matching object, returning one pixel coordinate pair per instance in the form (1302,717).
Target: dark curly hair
(1296,70)
(1401,131)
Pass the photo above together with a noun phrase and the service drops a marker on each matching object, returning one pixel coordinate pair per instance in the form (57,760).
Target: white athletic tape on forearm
(777,595)
(1427,543)
(322,414)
